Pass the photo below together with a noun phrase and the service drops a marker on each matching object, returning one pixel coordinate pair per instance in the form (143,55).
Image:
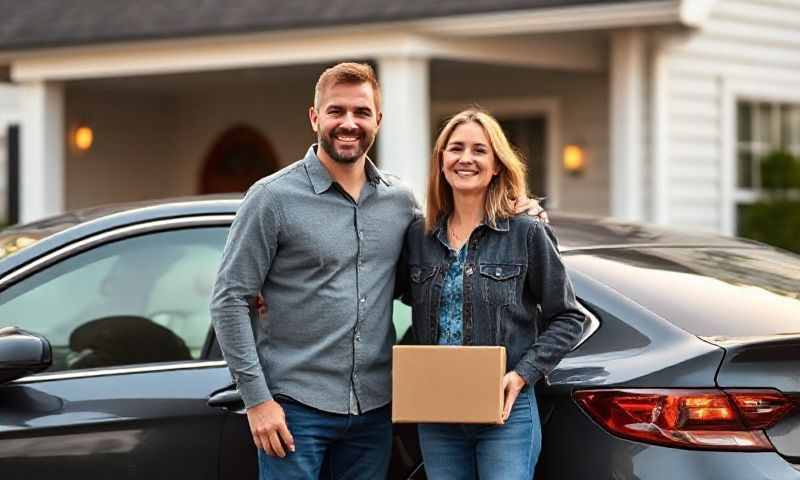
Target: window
(762,128)
(138,300)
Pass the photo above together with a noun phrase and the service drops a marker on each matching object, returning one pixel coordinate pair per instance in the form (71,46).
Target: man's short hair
(348,73)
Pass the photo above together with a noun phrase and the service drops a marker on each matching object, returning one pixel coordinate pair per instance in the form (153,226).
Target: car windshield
(711,292)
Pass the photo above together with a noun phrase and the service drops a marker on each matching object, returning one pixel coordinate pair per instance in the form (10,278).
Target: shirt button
(469,270)
(358,338)
(498,272)
(363,299)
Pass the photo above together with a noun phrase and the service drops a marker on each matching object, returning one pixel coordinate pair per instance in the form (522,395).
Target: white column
(404,139)
(659,136)
(627,82)
(41,150)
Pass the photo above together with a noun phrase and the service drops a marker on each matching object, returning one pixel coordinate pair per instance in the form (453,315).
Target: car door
(126,313)
(238,451)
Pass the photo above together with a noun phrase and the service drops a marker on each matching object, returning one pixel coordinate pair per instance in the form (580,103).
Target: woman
(478,275)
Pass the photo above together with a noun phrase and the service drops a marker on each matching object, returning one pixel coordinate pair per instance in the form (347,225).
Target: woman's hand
(513,383)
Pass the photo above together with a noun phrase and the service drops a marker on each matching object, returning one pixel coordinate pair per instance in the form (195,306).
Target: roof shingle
(45,23)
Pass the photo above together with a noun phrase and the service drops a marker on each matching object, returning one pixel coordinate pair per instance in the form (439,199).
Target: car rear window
(706,291)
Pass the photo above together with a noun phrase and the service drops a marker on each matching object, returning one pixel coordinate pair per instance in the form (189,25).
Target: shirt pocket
(499,282)
(421,281)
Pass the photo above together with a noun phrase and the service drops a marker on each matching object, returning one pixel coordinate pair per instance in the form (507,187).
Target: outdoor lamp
(83,137)
(574,159)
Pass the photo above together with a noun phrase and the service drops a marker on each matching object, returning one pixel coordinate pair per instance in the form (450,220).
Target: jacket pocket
(499,283)
(421,276)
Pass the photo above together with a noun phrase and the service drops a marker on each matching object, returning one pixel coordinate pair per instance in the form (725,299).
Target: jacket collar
(502,224)
(440,230)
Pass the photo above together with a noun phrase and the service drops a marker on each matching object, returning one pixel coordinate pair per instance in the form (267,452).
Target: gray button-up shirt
(325,265)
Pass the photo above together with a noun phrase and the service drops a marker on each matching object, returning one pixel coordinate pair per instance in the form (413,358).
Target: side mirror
(22,353)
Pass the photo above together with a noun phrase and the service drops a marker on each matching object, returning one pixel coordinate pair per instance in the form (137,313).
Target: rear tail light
(698,419)
(760,409)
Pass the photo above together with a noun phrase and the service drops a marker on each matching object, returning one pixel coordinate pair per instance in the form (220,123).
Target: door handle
(228,399)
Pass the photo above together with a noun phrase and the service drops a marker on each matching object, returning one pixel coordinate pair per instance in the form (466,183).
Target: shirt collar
(320,178)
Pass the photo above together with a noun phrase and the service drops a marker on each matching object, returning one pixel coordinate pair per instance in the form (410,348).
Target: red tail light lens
(761,409)
(700,419)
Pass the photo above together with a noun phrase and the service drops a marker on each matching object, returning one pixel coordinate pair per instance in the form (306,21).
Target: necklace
(456,240)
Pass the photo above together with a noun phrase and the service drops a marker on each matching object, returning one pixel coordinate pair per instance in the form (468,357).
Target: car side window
(142,299)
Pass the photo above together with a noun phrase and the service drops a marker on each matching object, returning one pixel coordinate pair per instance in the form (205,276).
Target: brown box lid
(447,384)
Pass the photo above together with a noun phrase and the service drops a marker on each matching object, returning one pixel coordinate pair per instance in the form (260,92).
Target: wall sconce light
(83,137)
(574,159)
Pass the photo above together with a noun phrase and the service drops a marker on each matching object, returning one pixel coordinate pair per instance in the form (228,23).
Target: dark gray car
(690,368)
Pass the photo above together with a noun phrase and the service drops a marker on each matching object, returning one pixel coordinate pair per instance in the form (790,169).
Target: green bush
(775,218)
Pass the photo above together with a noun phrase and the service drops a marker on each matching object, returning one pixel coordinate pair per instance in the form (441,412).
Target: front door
(529,136)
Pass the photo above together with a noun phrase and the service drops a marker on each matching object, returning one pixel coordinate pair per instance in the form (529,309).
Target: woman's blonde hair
(505,188)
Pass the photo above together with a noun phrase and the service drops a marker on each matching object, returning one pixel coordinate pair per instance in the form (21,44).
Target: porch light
(82,138)
(574,159)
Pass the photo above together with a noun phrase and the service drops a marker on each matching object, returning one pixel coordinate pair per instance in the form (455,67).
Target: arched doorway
(239,157)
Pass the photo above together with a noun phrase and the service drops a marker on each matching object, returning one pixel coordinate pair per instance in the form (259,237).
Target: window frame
(100,239)
(779,90)
(757,147)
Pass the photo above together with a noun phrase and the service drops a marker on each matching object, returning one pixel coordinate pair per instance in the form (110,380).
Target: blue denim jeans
(488,452)
(329,445)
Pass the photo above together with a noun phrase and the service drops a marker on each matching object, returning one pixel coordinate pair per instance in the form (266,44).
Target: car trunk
(767,362)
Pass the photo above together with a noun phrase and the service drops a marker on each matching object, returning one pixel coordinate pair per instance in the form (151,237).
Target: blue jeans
(468,452)
(348,447)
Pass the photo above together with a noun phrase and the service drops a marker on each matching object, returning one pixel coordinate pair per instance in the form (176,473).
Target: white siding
(753,41)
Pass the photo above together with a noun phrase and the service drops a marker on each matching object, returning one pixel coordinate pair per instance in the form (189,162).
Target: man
(319,241)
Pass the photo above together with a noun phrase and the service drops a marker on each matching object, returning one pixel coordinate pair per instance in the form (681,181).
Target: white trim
(550,107)
(404,145)
(42,150)
(561,19)
(731,92)
(694,13)
(659,133)
(728,163)
(105,372)
(626,111)
(291,48)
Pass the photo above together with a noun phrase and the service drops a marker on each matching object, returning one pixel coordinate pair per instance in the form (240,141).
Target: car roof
(575,232)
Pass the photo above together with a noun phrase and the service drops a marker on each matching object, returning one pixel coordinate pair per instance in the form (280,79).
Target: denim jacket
(516,291)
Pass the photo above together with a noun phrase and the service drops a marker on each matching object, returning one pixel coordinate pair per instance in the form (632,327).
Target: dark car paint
(771,362)
(120,424)
(129,425)
(635,348)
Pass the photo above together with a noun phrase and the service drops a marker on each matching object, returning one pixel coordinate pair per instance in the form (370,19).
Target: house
(666,105)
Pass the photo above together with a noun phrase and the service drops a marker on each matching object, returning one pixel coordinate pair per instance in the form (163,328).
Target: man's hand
(268,426)
(513,383)
(532,206)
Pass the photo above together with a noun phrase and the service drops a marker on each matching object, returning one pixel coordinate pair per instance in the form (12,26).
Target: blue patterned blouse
(451,322)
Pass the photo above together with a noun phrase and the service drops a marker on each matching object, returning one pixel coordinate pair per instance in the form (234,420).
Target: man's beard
(326,142)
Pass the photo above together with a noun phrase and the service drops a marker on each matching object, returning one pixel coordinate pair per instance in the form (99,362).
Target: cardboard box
(447,384)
